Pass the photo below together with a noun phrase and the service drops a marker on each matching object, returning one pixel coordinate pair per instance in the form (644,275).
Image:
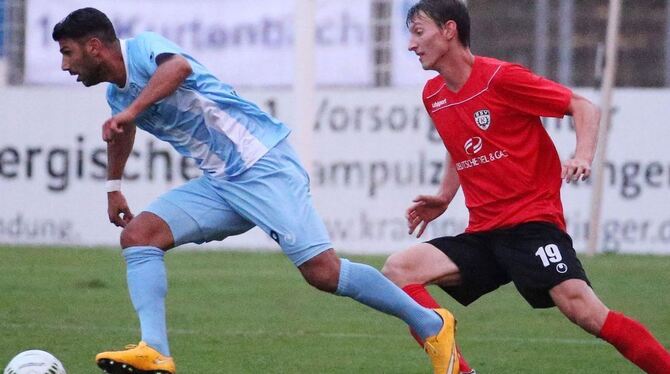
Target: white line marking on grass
(339,335)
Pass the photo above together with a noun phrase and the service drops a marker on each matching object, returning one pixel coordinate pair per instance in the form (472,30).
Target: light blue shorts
(273,194)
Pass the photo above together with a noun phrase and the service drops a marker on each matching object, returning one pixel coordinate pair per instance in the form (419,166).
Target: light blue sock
(367,285)
(147,284)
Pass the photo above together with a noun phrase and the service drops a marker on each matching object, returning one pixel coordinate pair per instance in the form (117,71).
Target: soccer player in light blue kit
(251,177)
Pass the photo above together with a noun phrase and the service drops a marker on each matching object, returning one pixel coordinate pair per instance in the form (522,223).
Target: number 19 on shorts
(549,254)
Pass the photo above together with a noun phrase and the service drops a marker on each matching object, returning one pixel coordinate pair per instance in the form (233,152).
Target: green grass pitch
(235,312)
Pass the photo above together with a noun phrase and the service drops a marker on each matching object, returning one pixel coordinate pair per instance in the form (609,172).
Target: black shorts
(536,256)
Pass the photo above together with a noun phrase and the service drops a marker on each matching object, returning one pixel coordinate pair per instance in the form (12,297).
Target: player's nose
(411,46)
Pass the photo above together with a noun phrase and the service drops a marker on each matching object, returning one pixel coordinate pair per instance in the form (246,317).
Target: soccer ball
(34,362)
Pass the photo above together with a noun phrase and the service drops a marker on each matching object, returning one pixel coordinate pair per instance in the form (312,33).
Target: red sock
(636,343)
(420,294)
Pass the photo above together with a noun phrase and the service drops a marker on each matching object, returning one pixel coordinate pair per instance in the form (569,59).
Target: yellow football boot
(136,359)
(441,348)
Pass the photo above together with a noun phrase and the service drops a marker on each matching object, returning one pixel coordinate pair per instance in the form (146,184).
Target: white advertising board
(245,43)
(374,150)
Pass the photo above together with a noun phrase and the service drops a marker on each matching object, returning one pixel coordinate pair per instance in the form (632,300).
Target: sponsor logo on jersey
(473,145)
(438,104)
(562,268)
(483,119)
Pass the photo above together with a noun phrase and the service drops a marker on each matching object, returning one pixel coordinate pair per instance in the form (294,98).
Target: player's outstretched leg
(580,304)
(368,286)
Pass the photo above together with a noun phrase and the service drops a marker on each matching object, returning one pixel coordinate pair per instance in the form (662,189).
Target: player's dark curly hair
(85,22)
(442,11)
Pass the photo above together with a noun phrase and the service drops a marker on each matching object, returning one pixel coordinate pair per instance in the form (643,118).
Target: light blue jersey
(203,119)
(252,177)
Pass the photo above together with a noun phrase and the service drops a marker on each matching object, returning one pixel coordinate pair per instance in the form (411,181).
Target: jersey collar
(124,54)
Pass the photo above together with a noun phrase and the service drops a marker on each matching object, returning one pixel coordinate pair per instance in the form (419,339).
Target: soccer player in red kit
(487,113)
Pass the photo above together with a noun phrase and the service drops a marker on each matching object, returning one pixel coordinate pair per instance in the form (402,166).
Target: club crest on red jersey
(483,119)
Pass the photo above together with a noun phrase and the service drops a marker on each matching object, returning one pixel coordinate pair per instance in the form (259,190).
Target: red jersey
(508,166)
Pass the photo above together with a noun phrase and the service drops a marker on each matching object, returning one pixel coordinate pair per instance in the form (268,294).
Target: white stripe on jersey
(210,160)
(250,148)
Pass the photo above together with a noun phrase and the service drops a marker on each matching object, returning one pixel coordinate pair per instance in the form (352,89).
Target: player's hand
(575,168)
(425,209)
(115,125)
(117,209)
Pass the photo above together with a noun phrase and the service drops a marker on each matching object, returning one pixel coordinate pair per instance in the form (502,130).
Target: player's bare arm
(587,120)
(171,72)
(428,207)
(118,151)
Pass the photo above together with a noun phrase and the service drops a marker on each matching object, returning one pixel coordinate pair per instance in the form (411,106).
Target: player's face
(79,60)
(427,40)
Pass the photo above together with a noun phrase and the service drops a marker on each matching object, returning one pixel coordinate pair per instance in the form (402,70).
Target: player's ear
(450,30)
(94,46)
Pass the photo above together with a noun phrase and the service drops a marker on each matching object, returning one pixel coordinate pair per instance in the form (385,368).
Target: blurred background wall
(373,148)
(562,39)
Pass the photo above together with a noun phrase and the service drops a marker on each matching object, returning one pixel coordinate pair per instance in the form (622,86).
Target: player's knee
(570,303)
(147,230)
(132,236)
(397,268)
(582,307)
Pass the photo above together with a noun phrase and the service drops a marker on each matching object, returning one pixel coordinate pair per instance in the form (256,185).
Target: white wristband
(113,185)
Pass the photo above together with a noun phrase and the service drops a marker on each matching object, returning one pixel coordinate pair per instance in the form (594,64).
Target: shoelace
(131,346)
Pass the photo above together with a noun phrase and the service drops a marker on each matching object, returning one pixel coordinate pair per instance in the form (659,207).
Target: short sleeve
(532,94)
(150,46)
